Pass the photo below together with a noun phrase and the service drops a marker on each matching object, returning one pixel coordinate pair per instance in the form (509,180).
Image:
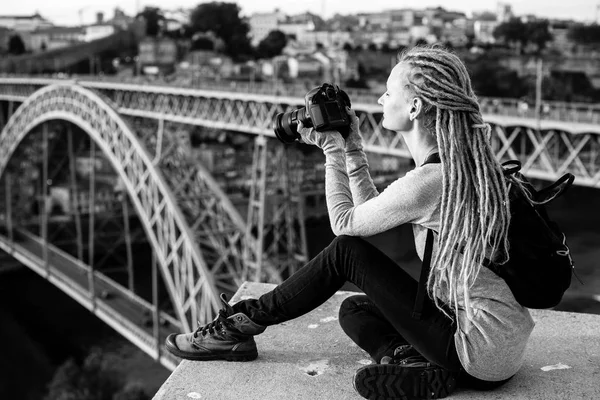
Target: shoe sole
(227,356)
(393,382)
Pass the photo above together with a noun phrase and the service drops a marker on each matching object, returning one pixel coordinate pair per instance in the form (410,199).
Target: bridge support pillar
(253,251)
(288,247)
(8,210)
(91,222)
(275,230)
(44,208)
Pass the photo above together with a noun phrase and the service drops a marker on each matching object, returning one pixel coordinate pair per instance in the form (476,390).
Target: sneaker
(229,337)
(400,353)
(406,376)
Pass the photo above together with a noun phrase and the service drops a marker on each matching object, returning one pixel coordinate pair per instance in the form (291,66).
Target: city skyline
(74,12)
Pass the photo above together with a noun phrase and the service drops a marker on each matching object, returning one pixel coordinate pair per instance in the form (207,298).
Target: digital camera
(325,109)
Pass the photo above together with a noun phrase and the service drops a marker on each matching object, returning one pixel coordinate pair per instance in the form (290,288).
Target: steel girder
(555,110)
(575,144)
(215,223)
(188,278)
(278,242)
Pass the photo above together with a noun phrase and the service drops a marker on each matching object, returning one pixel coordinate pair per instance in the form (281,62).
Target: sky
(67,12)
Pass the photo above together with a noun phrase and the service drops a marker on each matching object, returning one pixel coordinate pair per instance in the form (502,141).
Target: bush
(97,378)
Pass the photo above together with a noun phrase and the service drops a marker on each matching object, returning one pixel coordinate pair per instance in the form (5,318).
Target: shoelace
(404,354)
(211,327)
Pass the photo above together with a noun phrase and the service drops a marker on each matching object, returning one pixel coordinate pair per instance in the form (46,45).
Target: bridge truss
(201,243)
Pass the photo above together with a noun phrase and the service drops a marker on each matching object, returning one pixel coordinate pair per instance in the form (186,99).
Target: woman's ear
(416,106)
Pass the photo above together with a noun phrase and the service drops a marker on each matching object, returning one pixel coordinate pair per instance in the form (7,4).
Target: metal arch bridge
(201,244)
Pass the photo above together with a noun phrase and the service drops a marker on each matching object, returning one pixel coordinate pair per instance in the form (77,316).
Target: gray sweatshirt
(492,342)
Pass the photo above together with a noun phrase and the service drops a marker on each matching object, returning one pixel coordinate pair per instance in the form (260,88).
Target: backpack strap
(551,192)
(548,193)
(433,158)
(425,267)
(511,167)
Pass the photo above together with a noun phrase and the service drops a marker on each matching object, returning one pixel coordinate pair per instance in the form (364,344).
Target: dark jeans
(378,321)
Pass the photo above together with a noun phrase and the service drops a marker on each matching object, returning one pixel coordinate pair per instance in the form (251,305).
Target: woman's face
(396,101)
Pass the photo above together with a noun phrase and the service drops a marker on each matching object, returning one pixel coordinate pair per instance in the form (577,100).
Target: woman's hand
(326,140)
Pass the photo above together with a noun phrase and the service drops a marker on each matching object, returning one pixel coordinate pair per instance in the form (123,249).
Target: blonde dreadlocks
(475,213)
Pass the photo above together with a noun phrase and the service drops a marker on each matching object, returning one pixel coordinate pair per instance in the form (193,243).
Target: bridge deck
(311,358)
(122,310)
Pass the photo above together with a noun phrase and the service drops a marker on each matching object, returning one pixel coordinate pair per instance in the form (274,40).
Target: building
(176,19)
(403,18)
(484,31)
(380,20)
(560,38)
(98,30)
(5,35)
(504,12)
(157,55)
(297,28)
(300,28)
(24,23)
(421,32)
(325,38)
(121,20)
(54,38)
(263,23)
(209,64)
(455,35)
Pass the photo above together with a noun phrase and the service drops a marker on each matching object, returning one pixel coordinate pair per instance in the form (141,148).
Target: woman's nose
(380,100)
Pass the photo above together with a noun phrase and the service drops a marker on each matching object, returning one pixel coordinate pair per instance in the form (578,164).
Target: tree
(133,391)
(356,83)
(97,378)
(512,32)
(489,78)
(586,35)
(154,20)
(16,45)
(538,33)
(272,45)
(203,43)
(223,19)
(518,34)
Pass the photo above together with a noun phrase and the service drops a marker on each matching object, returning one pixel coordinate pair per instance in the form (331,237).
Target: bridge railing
(30,249)
(547,148)
(549,110)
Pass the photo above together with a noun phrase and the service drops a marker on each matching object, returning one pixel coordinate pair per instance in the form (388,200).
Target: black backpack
(540,265)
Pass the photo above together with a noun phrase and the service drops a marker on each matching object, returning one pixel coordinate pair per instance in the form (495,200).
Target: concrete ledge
(311,358)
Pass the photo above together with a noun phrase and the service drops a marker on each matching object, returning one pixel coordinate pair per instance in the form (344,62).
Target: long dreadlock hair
(475,211)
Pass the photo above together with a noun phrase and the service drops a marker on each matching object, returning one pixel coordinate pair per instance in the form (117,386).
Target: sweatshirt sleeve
(413,198)
(361,184)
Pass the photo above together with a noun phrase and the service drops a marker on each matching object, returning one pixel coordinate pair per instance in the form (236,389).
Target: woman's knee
(351,306)
(350,244)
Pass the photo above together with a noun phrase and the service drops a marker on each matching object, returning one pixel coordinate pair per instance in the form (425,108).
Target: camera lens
(330,93)
(285,126)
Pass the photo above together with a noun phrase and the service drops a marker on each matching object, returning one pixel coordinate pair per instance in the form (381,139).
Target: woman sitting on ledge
(472,331)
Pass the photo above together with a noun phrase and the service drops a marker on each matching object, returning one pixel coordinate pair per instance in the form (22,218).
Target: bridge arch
(188,279)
